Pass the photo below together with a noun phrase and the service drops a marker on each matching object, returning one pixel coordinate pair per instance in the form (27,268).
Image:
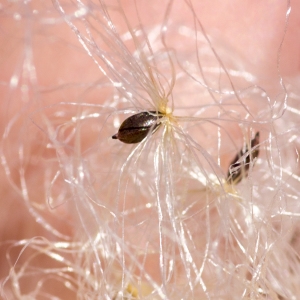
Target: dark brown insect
(237,170)
(135,128)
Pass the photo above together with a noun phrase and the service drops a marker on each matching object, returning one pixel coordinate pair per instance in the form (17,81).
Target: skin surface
(248,30)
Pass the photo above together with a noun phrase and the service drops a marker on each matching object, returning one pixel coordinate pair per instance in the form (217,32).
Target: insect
(238,170)
(135,128)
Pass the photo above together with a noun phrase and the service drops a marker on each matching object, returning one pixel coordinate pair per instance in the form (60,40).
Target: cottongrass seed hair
(151,148)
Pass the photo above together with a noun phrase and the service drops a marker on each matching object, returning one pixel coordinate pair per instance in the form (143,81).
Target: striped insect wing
(135,128)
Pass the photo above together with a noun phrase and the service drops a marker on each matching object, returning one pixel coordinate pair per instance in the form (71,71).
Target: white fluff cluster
(158,219)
